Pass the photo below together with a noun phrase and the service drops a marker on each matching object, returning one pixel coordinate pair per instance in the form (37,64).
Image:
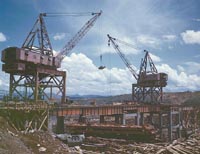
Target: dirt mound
(9,140)
(13,142)
(43,141)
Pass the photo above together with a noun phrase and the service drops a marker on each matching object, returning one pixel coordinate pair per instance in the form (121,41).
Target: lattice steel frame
(151,94)
(38,85)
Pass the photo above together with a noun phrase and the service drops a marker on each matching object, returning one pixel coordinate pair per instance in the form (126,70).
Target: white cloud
(128,46)
(198,20)
(4,81)
(197,56)
(170,47)
(126,43)
(2,37)
(59,36)
(178,81)
(180,68)
(169,37)
(148,40)
(193,67)
(155,58)
(191,37)
(84,77)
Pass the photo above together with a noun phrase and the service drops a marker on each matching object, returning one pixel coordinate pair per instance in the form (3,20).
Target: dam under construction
(36,69)
(132,122)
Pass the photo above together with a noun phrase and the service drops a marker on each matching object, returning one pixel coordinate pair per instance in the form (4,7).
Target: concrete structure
(171,121)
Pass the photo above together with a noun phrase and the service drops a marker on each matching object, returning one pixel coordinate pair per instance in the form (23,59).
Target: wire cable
(50,14)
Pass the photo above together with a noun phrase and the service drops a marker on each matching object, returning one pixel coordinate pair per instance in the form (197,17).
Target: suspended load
(101,67)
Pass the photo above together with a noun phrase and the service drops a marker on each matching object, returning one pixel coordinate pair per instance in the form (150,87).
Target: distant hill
(77,96)
(181,97)
(168,97)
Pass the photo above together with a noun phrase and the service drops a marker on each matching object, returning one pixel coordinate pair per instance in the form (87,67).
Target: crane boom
(43,45)
(122,56)
(78,36)
(39,30)
(144,64)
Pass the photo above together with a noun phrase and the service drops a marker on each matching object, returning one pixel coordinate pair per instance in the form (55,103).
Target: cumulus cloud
(59,36)
(191,37)
(179,80)
(2,37)
(193,67)
(83,77)
(4,81)
(180,68)
(169,37)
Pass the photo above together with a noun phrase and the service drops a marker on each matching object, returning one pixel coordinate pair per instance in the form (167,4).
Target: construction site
(146,123)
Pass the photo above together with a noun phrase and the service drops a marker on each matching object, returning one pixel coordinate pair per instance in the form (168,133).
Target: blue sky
(169,29)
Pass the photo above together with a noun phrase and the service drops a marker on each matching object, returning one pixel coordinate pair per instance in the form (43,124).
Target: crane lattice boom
(39,43)
(147,59)
(122,56)
(78,36)
(39,31)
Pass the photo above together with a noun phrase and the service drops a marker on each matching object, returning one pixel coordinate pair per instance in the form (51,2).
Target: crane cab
(20,59)
(157,79)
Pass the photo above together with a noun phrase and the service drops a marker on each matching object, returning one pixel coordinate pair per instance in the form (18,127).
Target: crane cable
(50,14)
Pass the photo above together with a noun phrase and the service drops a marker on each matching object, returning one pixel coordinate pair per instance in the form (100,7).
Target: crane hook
(101,67)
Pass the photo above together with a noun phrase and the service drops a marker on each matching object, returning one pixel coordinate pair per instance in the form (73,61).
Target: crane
(149,82)
(34,67)
(78,36)
(39,31)
(124,59)
(151,77)
(42,50)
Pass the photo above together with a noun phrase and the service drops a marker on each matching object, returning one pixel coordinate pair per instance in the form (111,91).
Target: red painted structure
(118,109)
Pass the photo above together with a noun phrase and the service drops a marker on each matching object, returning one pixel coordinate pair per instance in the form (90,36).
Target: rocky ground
(13,142)
(113,146)
(33,142)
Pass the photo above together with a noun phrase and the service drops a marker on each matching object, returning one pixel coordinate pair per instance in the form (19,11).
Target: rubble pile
(189,146)
(122,146)
(9,141)
(32,142)
(111,146)
(43,142)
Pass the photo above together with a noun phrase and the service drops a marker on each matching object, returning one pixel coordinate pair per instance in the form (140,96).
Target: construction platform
(128,132)
(170,121)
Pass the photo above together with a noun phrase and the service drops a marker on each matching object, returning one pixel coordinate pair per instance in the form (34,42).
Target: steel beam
(153,94)
(37,85)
